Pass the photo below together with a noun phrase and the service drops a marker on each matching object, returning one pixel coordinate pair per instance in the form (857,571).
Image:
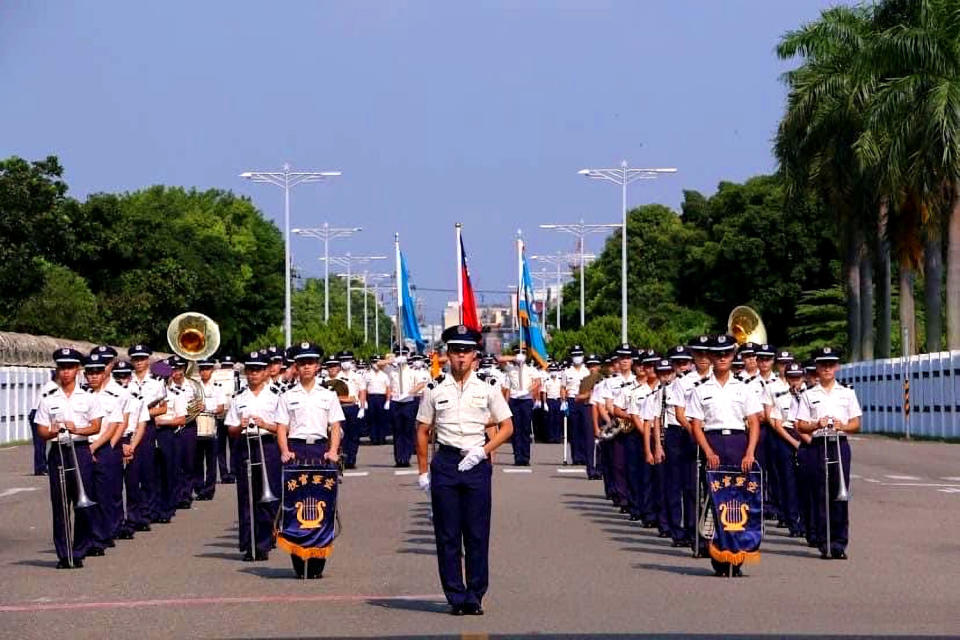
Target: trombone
(83,501)
(843,495)
(266,495)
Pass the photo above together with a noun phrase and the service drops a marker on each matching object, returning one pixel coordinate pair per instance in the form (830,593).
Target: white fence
(19,390)
(934,394)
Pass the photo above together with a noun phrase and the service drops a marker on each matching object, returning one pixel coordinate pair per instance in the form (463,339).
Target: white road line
(896,477)
(854,476)
(16,490)
(918,484)
(518,470)
(575,471)
(873,480)
(355,474)
(949,490)
(951,478)
(405,472)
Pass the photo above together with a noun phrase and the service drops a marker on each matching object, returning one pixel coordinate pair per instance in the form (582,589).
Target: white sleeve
(233,418)
(42,417)
(282,414)
(335,413)
(805,411)
(695,406)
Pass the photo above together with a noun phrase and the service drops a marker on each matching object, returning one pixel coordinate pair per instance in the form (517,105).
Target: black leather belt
(451,449)
(309,440)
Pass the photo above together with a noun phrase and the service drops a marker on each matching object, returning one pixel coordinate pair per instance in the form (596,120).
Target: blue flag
(738,515)
(531,335)
(308,511)
(411,329)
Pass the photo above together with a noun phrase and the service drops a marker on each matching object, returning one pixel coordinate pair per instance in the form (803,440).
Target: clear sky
(436,112)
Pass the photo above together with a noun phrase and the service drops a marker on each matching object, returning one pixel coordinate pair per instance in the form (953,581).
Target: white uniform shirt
(151,388)
(80,407)
(136,409)
(552,385)
(214,395)
(352,382)
(572,377)
(785,405)
(410,378)
(461,415)
(663,402)
(377,382)
(600,391)
(639,399)
(178,398)
(309,414)
(114,405)
(619,390)
(723,407)
(512,380)
(248,404)
(840,403)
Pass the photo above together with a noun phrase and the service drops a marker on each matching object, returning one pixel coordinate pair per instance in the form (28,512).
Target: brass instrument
(745,325)
(338,386)
(266,495)
(843,495)
(83,501)
(193,336)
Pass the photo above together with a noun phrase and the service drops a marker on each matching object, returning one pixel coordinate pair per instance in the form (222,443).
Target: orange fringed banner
(737,500)
(308,511)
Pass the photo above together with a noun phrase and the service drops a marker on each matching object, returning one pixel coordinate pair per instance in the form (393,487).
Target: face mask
(347,365)
(520,358)
(400,359)
(578,360)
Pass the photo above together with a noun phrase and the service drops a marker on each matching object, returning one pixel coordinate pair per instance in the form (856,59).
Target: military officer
(552,389)
(580,432)
(460,411)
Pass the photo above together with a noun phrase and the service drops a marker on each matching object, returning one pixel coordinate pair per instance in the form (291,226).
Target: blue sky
(436,112)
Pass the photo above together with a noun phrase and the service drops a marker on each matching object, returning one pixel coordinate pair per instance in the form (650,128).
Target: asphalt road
(563,561)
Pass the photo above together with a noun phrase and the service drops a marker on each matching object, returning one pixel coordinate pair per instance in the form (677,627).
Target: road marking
(15,490)
(874,480)
(355,474)
(919,484)
(179,602)
(854,476)
(951,478)
(405,472)
(896,477)
(518,470)
(565,470)
(957,490)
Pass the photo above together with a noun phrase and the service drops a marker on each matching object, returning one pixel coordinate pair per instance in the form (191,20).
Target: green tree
(63,307)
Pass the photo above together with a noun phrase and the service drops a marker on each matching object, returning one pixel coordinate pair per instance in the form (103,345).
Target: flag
(531,335)
(468,305)
(308,511)
(737,500)
(411,328)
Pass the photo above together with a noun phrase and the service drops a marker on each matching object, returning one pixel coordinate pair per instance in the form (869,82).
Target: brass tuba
(193,336)
(745,325)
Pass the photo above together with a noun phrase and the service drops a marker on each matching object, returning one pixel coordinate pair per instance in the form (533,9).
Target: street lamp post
(348,261)
(624,176)
(559,259)
(327,233)
(373,279)
(287,180)
(580,229)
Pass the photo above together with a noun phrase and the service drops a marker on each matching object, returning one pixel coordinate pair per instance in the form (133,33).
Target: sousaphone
(193,336)
(745,325)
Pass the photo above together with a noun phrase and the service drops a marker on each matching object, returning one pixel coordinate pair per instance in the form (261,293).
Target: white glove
(563,406)
(386,405)
(64,437)
(400,359)
(519,358)
(423,481)
(474,456)
(361,413)
(546,407)
(536,404)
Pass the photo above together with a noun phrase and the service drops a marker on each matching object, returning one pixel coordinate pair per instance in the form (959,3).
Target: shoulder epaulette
(274,389)
(110,393)
(781,393)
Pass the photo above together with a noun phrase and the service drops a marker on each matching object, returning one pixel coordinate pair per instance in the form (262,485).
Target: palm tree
(826,106)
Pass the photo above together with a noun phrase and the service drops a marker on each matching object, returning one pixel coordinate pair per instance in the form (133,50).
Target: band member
(460,412)
(552,390)
(341,368)
(39,444)
(214,408)
(828,412)
(185,440)
(252,414)
(375,402)
(584,396)
(523,385)
(153,392)
(309,419)
(69,415)
(135,517)
(626,450)
(786,399)
(403,395)
(225,444)
(765,447)
(274,356)
(725,416)
(580,427)
(168,449)
(646,410)
(106,454)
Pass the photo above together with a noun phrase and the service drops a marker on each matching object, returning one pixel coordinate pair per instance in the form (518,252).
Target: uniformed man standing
(214,408)
(786,395)
(579,423)
(552,389)
(135,517)
(69,413)
(460,412)
(404,396)
(153,391)
(375,402)
(168,426)
(350,404)
(224,442)
(523,385)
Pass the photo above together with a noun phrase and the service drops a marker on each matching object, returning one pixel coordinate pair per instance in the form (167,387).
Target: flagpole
(396,243)
(459,273)
(519,292)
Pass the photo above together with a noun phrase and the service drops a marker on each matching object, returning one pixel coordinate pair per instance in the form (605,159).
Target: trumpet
(266,495)
(83,501)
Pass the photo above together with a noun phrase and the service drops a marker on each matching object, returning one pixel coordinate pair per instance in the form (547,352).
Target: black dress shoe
(649,524)
(838,554)
(142,527)
(63,564)
(262,555)
(663,534)
(125,535)
(634,517)
(184,504)
(315,568)
(110,544)
(456,610)
(96,552)
(228,480)
(248,557)
(624,510)
(472,610)
(162,520)
(349,466)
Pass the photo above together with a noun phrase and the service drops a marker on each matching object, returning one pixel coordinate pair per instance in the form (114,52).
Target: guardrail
(19,391)
(932,396)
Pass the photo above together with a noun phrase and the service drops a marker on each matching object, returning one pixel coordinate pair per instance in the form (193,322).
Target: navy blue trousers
(224,444)
(264,513)
(461,523)
(108,487)
(522,410)
(785,471)
(634,462)
(554,421)
(148,454)
(839,514)
(806,490)
(165,473)
(404,418)
(764,456)
(39,447)
(577,427)
(82,518)
(378,418)
(136,500)
(185,456)
(205,467)
(678,473)
(351,434)
(618,472)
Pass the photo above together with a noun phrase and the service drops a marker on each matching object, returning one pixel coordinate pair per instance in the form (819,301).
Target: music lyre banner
(738,516)
(308,511)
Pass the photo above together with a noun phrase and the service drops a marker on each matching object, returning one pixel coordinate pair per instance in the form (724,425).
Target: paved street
(563,561)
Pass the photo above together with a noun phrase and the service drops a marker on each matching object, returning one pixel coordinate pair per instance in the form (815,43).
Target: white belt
(725,431)
(823,433)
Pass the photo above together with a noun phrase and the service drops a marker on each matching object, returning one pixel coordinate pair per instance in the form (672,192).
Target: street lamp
(287,180)
(327,233)
(348,261)
(624,176)
(559,259)
(580,229)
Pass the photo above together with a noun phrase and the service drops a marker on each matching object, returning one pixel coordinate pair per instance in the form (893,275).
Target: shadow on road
(430,606)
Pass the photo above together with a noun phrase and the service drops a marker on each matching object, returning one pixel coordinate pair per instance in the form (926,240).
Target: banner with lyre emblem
(737,500)
(308,511)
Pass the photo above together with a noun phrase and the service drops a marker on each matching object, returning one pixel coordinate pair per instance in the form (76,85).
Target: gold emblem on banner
(734,509)
(310,513)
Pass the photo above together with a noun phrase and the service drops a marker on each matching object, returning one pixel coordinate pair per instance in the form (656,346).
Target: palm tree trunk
(851,269)
(933,277)
(908,324)
(953,271)
(883,283)
(866,304)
